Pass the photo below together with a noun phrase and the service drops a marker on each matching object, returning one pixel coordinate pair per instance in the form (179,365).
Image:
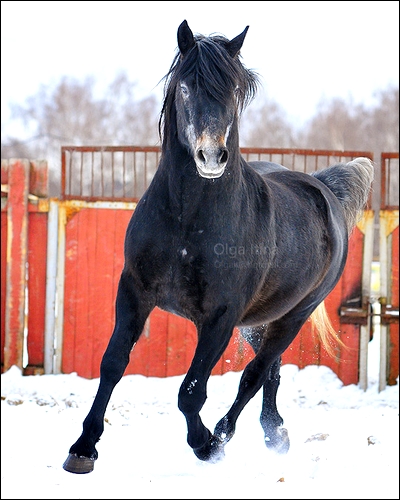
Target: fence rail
(123,173)
(389,181)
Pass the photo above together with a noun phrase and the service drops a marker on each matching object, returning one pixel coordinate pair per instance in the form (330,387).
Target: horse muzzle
(211,161)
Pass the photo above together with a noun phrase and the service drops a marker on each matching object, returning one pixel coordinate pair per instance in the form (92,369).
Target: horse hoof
(78,465)
(280,442)
(212,451)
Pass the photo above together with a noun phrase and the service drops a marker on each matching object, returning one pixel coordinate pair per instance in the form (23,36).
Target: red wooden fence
(86,298)
(167,345)
(23,260)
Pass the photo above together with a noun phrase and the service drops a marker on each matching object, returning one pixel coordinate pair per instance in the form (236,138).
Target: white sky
(304,51)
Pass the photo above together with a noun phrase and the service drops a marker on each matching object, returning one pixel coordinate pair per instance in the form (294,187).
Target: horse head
(210,87)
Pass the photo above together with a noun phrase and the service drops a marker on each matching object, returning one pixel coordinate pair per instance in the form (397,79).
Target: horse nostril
(201,156)
(224,156)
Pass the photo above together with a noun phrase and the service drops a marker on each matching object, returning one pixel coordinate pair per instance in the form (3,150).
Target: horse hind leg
(275,435)
(128,327)
(263,371)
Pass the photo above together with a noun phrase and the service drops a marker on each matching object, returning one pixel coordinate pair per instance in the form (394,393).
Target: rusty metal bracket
(355,315)
(389,315)
(359,315)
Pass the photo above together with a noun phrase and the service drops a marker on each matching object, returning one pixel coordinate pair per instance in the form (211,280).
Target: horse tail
(350,183)
(325,330)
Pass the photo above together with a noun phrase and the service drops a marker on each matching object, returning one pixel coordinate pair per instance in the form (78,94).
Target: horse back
(266,167)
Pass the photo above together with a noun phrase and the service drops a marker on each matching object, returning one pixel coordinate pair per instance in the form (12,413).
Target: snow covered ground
(344,441)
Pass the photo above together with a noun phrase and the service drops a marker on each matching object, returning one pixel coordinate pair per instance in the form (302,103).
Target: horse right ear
(185,38)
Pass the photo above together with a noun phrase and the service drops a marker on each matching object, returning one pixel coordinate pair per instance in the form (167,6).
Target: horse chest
(182,284)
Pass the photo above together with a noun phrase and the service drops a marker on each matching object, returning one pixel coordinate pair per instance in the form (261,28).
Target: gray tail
(350,183)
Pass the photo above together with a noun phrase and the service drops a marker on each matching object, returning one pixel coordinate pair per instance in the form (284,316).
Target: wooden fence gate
(62,259)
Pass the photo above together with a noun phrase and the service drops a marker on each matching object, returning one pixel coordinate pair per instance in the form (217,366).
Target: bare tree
(382,128)
(71,114)
(267,126)
(336,125)
(340,124)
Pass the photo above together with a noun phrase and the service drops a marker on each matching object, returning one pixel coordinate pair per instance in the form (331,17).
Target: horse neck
(188,192)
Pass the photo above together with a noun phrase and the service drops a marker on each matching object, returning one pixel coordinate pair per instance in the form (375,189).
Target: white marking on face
(191,137)
(208,146)
(228,131)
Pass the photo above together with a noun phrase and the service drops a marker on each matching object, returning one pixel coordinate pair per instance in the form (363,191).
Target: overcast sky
(304,51)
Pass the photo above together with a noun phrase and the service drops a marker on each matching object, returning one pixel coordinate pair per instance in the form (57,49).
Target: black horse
(224,243)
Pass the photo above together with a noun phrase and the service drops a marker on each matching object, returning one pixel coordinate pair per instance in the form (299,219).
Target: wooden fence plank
(17,240)
(86,221)
(176,347)
(37,258)
(393,371)
(3,282)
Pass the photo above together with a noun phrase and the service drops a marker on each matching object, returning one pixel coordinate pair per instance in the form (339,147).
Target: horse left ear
(185,38)
(236,43)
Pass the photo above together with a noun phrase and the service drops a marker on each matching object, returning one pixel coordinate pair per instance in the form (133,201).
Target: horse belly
(263,313)
(273,302)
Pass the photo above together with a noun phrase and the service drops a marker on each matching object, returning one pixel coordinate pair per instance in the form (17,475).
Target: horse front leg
(129,323)
(213,340)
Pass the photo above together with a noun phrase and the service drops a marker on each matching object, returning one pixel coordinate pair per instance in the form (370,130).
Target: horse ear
(236,43)
(185,38)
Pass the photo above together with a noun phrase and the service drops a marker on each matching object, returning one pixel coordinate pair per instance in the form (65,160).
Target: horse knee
(112,368)
(191,397)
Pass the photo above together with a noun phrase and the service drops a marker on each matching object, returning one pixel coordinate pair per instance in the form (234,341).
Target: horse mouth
(210,174)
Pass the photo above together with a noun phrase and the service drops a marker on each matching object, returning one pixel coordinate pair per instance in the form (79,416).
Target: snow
(344,441)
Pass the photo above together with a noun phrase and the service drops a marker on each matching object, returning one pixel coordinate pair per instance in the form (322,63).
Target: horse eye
(184,90)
